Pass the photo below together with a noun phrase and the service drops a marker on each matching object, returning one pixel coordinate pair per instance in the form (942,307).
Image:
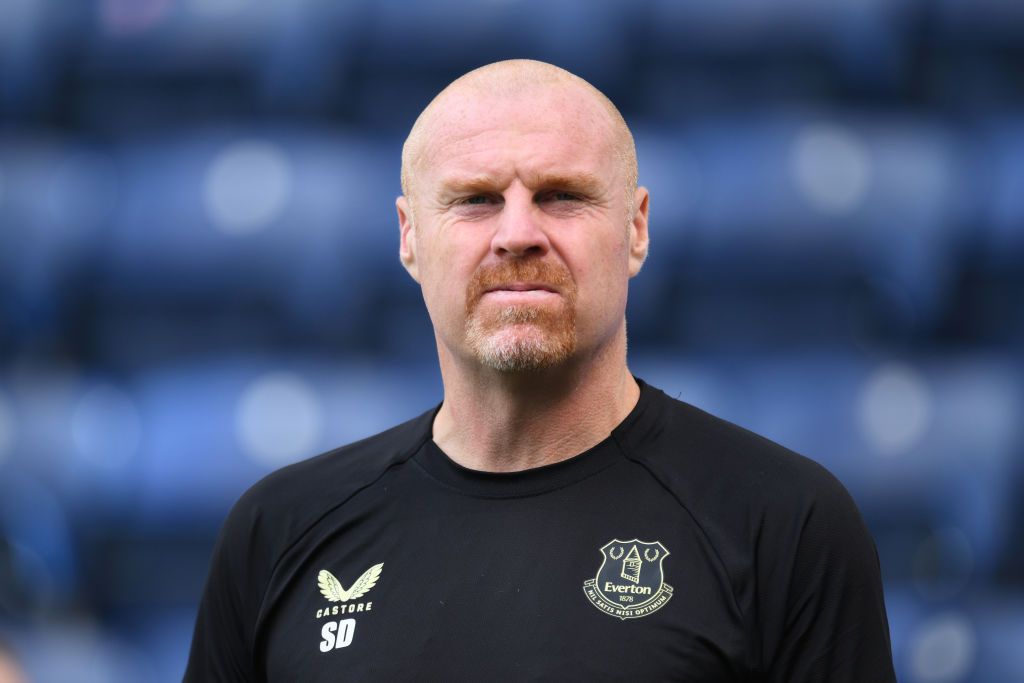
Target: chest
(536,589)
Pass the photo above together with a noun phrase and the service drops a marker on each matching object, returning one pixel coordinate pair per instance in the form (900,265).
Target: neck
(507,422)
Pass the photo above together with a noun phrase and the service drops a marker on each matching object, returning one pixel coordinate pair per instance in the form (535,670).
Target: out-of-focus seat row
(294,232)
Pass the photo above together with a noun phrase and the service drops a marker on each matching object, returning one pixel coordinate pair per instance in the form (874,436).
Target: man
(554,518)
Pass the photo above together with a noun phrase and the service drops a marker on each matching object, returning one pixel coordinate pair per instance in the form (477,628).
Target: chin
(520,351)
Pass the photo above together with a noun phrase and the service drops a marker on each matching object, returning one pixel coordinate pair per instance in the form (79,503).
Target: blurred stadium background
(199,278)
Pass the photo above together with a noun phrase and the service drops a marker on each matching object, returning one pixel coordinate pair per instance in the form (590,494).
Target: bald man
(554,517)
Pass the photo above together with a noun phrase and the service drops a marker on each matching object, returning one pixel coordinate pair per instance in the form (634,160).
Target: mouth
(521,287)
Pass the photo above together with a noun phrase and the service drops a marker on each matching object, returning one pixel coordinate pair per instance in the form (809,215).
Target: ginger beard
(521,337)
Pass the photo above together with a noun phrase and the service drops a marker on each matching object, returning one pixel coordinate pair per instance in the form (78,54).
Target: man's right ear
(407,240)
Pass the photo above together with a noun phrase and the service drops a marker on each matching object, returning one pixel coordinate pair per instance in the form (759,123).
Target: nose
(520,231)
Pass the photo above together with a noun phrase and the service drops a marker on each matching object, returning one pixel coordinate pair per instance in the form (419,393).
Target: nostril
(520,249)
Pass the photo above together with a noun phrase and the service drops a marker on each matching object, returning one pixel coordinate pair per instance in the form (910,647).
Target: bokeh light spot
(106,427)
(279,419)
(247,187)
(895,409)
(831,168)
(942,650)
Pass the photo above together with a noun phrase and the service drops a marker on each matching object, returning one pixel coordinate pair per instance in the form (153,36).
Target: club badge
(630,582)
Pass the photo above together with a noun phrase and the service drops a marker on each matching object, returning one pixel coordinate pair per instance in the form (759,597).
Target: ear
(638,239)
(407,238)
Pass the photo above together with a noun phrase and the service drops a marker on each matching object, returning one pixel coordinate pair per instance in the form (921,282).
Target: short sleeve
(222,643)
(821,603)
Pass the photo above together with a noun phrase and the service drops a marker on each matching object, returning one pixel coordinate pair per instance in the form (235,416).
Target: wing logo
(332,589)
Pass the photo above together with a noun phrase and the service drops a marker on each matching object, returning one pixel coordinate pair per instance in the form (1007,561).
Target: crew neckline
(535,480)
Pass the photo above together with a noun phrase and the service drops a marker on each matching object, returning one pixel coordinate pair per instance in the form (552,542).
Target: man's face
(519,229)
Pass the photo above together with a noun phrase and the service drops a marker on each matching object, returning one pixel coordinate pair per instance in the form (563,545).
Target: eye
(560,196)
(476,205)
(476,200)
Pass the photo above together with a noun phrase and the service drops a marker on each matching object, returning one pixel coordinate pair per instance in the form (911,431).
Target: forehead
(545,134)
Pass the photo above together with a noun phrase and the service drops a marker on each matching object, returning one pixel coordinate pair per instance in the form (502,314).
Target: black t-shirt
(681,548)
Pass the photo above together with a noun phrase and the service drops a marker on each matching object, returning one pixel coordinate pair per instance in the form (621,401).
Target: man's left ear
(638,239)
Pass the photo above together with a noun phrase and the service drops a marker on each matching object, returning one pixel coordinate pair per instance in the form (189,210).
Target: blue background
(199,278)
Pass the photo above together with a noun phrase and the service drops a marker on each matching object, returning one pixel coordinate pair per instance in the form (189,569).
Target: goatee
(521,337)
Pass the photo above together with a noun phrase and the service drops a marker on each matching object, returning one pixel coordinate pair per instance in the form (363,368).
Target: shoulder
(284,504)
(776,519)
(708,458)
(266,521)
(747,493)
(345,469)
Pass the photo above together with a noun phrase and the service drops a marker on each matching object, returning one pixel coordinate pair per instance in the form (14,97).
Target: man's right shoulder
(292,498)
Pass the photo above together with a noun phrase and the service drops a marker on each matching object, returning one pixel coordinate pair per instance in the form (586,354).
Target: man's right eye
(476,199)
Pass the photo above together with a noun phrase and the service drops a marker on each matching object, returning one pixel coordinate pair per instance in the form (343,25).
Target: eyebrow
(463,184)
(583,183)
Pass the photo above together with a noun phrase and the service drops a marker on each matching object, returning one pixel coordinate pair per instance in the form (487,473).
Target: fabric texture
(682,547)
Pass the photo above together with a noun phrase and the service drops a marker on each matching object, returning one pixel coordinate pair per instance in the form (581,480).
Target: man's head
(521,217)
(513,78)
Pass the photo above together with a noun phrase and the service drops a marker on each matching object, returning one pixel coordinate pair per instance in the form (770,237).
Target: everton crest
(630,582)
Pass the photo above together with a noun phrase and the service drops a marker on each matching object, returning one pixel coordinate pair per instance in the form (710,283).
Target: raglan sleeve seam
(629,455)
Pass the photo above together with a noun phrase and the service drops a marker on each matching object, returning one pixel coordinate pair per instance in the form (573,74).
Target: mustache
(549,274)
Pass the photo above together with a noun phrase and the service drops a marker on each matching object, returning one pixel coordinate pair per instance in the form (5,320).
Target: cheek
(602,265)
(446,272)
(601,279)
(606,285)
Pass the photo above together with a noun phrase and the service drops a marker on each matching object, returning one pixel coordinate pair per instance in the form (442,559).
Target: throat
(497,431)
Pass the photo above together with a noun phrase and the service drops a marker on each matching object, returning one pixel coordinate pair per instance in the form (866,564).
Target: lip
(522,287)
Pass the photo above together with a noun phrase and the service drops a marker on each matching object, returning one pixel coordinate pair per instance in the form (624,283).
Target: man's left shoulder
(710,459)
